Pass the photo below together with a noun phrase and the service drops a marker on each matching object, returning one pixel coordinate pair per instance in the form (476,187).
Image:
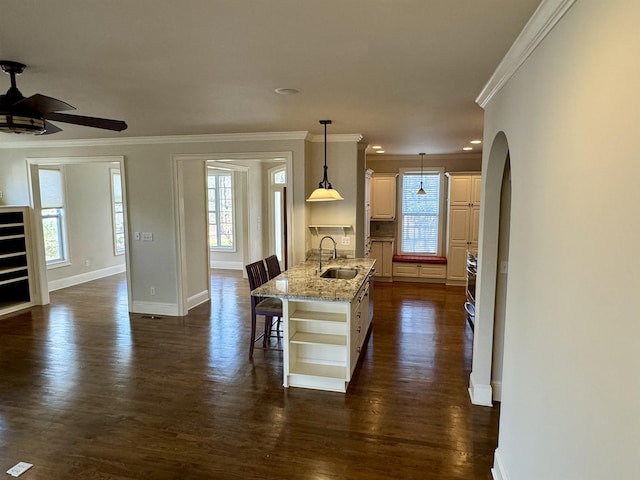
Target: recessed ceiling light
(287,91)
(476,142)
(468,148)
(379,151)
(376,147)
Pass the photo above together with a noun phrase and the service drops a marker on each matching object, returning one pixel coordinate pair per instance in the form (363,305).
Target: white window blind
(51,188)
(420,214)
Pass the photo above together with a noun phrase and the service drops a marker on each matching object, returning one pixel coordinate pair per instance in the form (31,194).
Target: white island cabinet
(326,321)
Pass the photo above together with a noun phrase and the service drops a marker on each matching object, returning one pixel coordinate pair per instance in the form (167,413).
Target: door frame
(178,190)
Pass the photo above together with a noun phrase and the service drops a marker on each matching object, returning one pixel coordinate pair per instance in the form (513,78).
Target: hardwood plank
(89,391)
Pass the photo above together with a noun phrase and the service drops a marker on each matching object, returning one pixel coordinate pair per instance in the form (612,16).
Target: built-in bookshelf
(15,268)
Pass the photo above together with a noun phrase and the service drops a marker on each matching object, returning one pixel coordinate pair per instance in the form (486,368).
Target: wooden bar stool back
(273,266)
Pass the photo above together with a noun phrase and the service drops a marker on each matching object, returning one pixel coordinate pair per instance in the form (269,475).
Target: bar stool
(266,306)
(273,270)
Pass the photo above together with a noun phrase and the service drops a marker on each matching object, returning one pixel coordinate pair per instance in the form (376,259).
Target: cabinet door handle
(359,329)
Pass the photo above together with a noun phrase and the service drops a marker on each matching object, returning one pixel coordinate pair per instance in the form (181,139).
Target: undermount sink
(340,273)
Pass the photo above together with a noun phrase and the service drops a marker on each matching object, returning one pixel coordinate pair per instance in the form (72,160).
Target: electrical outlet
(346,241)
(87,263)
(136,236)
(152,291)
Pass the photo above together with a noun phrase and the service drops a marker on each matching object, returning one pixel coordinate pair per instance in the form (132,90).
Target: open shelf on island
(311,316)
(319,339)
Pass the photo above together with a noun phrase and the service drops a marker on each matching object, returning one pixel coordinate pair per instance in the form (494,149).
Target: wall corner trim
(546,16)
(498,472)
(480,394)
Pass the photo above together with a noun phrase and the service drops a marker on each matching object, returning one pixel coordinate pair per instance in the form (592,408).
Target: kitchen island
(326,320)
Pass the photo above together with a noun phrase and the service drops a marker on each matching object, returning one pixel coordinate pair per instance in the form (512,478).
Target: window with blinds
(52,203)
(117,212)
(420,214)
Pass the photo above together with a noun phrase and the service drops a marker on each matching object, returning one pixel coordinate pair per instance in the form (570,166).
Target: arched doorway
(491,286)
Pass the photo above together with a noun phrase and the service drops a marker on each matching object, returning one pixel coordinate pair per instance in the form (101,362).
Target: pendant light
(324,192)
(421,191)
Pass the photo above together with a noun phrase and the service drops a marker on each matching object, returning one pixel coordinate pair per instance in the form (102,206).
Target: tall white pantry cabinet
(463,222)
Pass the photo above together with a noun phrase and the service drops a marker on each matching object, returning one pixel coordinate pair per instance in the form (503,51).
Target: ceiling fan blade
(50,128)
(105,123)
(42,104)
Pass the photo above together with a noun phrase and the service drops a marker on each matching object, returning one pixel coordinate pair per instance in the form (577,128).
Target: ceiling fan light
(20,124)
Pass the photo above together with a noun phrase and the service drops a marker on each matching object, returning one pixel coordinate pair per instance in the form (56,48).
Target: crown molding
(546,16)
(337,137)
(209,138)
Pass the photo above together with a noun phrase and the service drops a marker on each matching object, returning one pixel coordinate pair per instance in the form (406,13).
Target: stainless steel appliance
(470,304)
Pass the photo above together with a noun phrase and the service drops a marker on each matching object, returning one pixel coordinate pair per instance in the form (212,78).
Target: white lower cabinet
(382,251)
(419,270)
(324,341)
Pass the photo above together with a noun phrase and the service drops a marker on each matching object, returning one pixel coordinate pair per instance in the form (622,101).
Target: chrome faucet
(335,253)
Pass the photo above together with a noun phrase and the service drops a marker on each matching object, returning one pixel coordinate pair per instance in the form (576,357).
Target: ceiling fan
(20,114)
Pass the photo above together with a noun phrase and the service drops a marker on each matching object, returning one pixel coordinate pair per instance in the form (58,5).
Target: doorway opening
(229,213)
(491,288)
(80,226)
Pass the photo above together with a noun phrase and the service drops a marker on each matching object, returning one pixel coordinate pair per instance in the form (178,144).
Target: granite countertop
(302,283)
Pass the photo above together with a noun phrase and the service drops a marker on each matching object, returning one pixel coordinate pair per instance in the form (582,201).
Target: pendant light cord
(325,181)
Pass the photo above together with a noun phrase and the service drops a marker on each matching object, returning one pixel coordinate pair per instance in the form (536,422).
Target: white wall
(571,114)
(344,176)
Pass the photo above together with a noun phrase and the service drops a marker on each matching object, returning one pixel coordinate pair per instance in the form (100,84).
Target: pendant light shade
(324,192)
(421,191)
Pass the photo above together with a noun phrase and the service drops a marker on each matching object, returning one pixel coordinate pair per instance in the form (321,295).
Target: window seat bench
(419,267)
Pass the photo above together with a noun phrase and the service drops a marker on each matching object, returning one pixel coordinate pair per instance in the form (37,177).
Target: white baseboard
(497,391)
(197,299)
(226,265)
(480,394)
(498,472)
(155,308)
(85,277)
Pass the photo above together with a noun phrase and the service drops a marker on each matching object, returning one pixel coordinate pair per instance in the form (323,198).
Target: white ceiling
(404,73)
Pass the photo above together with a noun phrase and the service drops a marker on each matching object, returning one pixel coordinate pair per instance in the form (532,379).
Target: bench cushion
(420,259)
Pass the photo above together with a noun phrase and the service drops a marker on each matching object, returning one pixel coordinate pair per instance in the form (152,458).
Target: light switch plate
(147,236)
(346,241)
(504,267)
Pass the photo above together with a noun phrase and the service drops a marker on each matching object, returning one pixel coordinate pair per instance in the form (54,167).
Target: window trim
(441,208)
(227,171)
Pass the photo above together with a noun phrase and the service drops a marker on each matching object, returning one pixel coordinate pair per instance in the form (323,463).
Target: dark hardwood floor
(88,391)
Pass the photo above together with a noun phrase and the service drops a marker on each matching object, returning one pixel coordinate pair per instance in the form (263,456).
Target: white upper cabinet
(383,196)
